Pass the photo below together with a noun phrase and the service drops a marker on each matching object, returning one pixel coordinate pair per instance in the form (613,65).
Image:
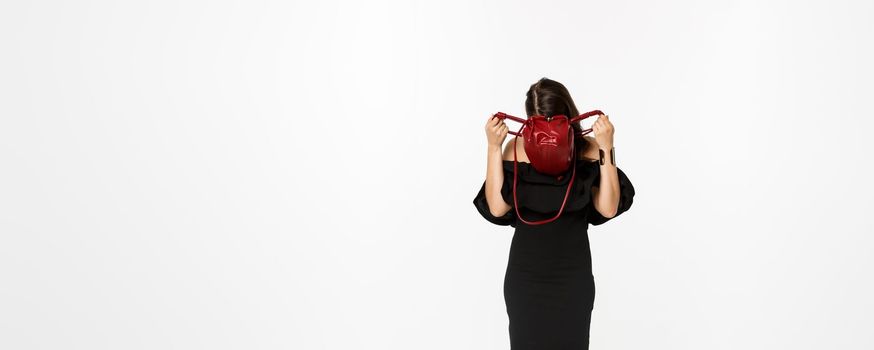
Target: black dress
(549,288)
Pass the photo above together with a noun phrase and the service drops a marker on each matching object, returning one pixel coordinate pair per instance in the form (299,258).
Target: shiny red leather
(549,145)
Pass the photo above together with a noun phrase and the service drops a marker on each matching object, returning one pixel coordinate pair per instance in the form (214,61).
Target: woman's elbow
(498,214)
(501,210)
(607,213)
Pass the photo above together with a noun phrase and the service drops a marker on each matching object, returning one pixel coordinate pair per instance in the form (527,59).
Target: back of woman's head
(548,97)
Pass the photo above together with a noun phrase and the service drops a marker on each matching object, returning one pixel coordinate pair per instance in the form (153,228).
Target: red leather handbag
(549,144)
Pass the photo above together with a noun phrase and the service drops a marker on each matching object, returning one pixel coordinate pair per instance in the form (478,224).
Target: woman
(549,288)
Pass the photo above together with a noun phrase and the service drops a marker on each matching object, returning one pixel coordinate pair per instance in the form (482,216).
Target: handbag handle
(503,115)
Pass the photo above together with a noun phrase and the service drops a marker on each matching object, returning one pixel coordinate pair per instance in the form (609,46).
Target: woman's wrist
(495,152)
(606,155)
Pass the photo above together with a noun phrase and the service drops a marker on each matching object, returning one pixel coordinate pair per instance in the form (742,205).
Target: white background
(299,175)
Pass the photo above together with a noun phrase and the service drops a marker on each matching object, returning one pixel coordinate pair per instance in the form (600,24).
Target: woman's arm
(606,194)
(496,132)
(494,181)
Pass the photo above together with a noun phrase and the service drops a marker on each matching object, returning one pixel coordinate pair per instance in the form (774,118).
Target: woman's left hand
(603,130)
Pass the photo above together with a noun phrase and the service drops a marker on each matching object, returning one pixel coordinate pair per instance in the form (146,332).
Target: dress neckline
(526,172)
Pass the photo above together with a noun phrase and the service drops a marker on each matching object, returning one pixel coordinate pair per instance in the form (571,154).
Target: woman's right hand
(496,131)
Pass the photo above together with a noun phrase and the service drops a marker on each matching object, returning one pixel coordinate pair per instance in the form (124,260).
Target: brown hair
(548,97)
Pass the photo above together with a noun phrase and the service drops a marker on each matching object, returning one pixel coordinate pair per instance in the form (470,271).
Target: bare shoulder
(520,149)
(590,154)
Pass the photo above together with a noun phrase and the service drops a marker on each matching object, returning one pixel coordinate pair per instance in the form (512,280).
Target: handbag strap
(586,115)
(525,122)
(516,179)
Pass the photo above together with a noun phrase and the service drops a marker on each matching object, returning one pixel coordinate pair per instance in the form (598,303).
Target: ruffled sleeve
(482,205)
(626,197)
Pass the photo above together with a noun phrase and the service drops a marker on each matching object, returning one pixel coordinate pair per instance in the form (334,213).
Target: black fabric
(626,196)
(549,288)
